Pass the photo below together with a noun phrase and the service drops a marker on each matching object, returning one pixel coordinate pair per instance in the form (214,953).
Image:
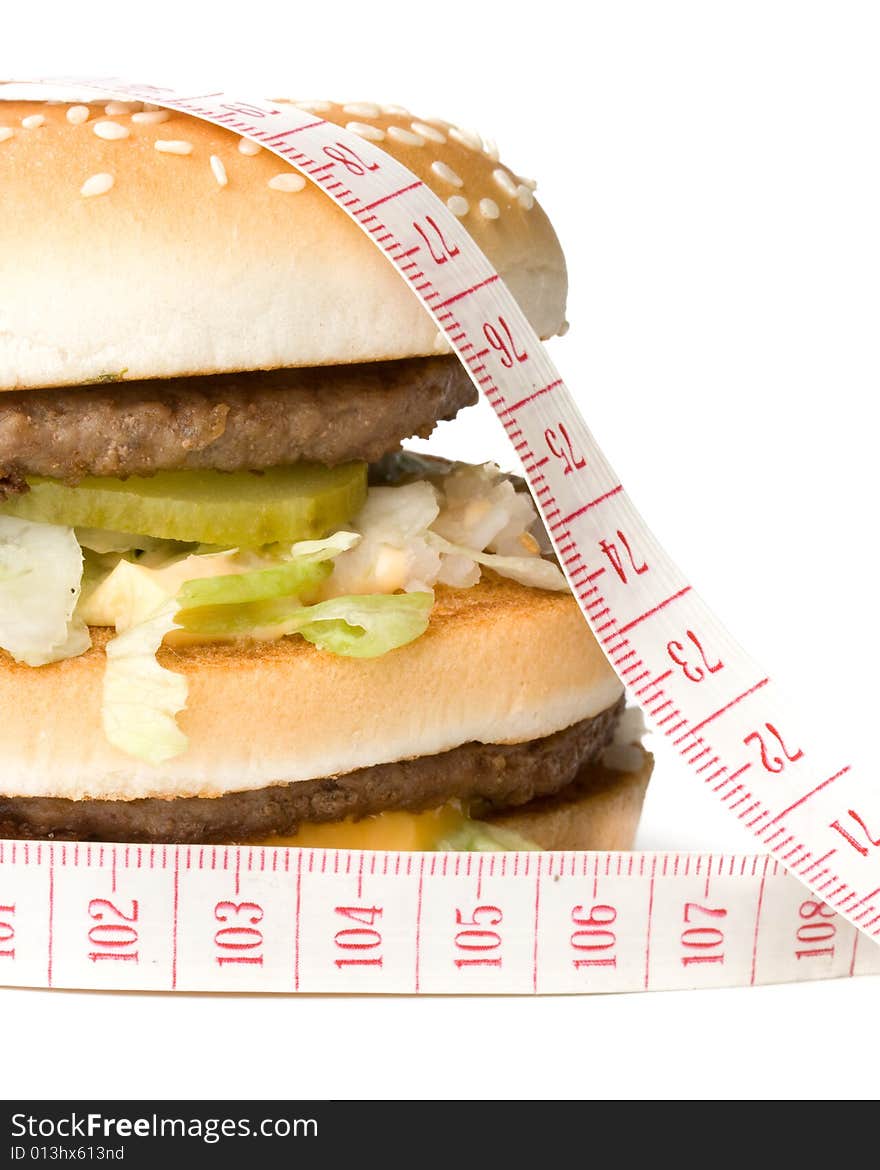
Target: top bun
(193,262)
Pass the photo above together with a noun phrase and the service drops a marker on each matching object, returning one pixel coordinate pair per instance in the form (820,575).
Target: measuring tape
(237,919)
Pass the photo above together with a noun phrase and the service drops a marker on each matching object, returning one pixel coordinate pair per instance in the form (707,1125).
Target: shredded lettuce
(533,571)
(392,553)
(419,534)
(324,550)
(483,510)
(480,837)
(41,569)
(141,698)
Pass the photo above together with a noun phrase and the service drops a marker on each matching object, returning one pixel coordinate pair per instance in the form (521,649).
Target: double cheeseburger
(232,607)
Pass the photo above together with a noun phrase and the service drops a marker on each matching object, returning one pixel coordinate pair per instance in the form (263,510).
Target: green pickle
(246,509)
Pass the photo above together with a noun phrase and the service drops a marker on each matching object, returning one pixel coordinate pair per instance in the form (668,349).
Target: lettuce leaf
(141,698)
(300,576)
(366,626)
(41,569)
(290,579)
(353,626)
(480,837)
(533,571)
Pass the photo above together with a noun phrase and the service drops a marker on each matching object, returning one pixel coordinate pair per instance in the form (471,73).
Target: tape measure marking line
(175,914)
(51,948)
(812,792)
(757,923)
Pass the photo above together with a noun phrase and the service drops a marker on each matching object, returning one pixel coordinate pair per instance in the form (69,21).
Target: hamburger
(233,607)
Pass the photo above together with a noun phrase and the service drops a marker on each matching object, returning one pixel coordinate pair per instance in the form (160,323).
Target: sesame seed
(247,147)
(173,146)
(405,137)
(150,117)
(490,149)
(288,181)
(315,107)
(489,209)
(442,171)
(96,185)
(429,132)
(112,109)
(458,205)
(219,170)
(396,111)
(525,197)
(6,132)
(76,115)
(363,109)
(530,183)
(505,182)
(33,121)
(376,133)
(111,131)
(468,138)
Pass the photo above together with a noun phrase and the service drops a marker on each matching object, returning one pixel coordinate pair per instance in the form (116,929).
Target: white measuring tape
(237,919)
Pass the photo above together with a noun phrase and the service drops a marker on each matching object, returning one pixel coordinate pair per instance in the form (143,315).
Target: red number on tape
(681,657)
(772,763)
(702,938)
(115,937)
(359,938)
(438,246)
(7,931)
(611,552)
(860,848)
(560,444)
(350,159)
(239,935)
(479,938)
(593,935)
(500,338)
(821,931)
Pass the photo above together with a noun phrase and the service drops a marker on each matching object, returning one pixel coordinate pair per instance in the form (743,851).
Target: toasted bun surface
(170,272)
(500,663)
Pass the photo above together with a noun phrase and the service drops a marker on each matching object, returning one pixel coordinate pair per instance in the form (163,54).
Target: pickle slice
(241,508)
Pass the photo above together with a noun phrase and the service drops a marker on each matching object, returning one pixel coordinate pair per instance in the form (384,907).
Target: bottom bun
(599,812)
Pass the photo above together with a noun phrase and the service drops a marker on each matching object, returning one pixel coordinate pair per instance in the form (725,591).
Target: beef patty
(227,422)
(483,776)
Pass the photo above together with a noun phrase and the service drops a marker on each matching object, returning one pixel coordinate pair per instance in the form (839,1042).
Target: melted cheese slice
(419,832)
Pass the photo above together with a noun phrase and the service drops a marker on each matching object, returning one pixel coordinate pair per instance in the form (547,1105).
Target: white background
(712,170)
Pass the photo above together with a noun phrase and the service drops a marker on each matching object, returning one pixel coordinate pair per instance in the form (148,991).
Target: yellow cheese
(388,830)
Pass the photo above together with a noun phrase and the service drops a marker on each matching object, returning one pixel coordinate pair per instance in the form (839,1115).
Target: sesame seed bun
(138,246)
(500,663)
